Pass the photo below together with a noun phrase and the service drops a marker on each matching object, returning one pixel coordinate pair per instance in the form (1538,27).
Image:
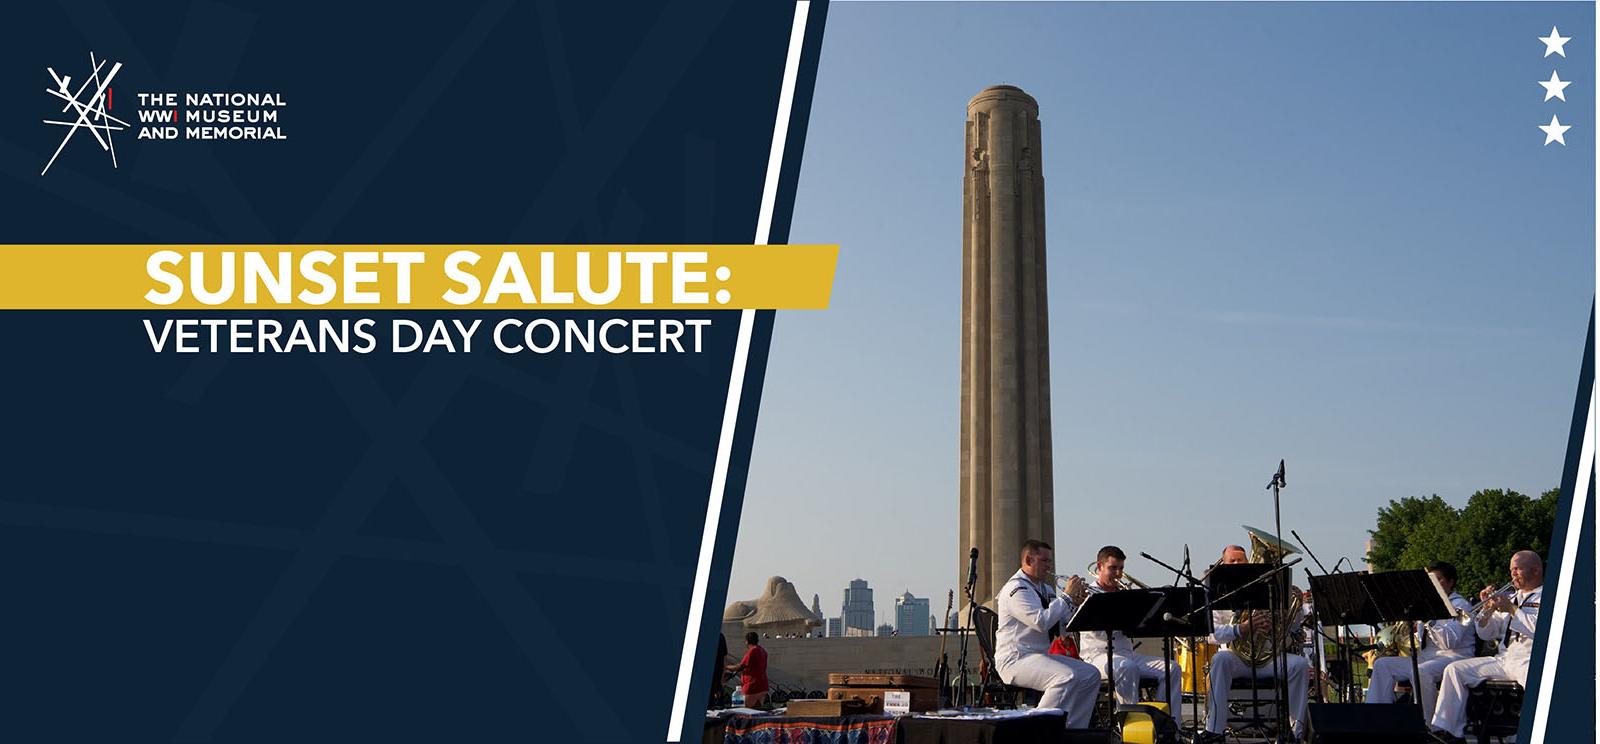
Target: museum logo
(92,113)
(165,116)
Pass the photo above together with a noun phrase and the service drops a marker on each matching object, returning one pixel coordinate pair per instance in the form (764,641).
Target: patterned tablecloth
(875,729)
(1002,728)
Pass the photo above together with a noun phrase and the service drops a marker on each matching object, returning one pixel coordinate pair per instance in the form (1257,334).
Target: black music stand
(1168,622)
(1344,600)
(1413,595)
(1178,602)
(1111,612)
(1256,586)
(1409,597)
(1181,606)
(1242,586)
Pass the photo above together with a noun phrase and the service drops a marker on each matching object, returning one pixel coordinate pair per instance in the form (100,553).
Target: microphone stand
(1322,667)
(1280,662)
(1183,574)
(1346,647)
(972,625)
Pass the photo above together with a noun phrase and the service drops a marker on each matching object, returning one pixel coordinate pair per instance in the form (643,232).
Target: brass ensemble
(1254,646)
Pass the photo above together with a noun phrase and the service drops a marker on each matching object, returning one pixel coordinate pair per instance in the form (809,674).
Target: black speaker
(1361,723)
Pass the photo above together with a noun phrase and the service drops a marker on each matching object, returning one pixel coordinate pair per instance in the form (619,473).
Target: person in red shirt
(752,671)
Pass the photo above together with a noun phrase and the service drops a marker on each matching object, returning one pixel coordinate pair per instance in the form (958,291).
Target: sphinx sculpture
(779,611)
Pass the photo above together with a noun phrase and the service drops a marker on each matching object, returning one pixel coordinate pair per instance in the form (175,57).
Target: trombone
(1127,582)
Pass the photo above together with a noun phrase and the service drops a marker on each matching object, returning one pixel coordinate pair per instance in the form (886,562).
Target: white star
(1554,86)
(1554,130)
(1554,42)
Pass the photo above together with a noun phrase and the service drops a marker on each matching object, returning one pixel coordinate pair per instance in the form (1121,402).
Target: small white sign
(896,701)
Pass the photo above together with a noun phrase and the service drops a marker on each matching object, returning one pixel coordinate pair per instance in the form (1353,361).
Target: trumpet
(1061,581)
(1061,585)
(1470,616)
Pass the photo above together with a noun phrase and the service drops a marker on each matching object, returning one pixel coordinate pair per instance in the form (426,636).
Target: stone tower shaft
(1007,491)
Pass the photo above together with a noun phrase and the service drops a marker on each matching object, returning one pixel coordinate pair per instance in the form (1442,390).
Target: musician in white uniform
(1509,619)
(1128,666)
(1444,642)
(1029,613)
(1226,666)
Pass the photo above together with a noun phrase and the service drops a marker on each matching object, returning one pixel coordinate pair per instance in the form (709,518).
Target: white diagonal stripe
(1569,559)
(730,412)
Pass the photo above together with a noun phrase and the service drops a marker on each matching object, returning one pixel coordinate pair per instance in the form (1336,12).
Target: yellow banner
(416,277)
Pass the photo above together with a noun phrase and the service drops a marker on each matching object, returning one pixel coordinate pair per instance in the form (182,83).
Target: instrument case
(871,688)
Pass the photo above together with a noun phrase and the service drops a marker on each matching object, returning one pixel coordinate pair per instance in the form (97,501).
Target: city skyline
(885,613)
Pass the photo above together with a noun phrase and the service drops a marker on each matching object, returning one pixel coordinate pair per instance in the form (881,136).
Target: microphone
(972,568)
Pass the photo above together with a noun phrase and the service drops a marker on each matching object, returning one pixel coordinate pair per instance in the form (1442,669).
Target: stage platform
(993,727)
(1002,727)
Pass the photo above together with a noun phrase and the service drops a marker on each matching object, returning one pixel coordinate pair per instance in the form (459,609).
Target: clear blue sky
(1329,233)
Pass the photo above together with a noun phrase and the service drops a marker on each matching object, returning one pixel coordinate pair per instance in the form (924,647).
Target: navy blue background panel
(1571,711)
(369,547)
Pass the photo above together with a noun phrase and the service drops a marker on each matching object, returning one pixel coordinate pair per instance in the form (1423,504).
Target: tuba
(1254,647)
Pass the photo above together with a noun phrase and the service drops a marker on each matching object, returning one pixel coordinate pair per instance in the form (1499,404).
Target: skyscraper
(858,612)
(911,615)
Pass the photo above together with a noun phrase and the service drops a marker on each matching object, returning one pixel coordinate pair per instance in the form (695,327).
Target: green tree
(1495,524)
(1436,537)
(1398,522)
(1479,539)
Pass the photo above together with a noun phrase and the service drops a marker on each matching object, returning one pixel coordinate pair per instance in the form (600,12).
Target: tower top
(1003,93)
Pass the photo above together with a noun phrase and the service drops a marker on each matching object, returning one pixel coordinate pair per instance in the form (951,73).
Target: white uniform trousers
(1130,668)
(1226,666)
(1388,670)
(1068,684)
(1450,714)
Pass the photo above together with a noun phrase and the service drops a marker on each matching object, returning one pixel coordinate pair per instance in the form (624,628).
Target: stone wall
(807,662)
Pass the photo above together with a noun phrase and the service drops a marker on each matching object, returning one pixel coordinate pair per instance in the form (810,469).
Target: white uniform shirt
(1028,611)
(1449,634)
(1224,632)
(1522,621)
(1093,642)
